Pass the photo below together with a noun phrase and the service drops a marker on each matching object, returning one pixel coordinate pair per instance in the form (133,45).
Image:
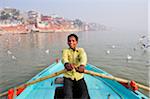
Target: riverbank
(23,30)
(14,29)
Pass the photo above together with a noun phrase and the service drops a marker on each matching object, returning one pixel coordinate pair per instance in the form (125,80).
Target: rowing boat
(98,87)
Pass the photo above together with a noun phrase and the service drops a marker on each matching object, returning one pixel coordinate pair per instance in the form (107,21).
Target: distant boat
(98,88)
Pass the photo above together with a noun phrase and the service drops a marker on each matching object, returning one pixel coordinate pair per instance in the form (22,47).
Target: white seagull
(9,52)
(13,57)
(113,46)
(108,51)
(129,57)
(47,51)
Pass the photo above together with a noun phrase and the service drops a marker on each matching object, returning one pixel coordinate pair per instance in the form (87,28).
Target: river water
(24,55)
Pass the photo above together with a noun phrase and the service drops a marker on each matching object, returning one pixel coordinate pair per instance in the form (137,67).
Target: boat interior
(98,88)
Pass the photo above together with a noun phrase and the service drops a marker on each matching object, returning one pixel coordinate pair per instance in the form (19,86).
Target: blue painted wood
(99,88)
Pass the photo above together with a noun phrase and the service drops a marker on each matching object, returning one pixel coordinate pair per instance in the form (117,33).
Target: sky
(124,14)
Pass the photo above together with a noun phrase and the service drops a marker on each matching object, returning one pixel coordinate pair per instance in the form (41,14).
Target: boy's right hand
(68,66)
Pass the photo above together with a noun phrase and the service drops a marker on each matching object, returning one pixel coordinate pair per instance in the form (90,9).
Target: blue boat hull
(98,88)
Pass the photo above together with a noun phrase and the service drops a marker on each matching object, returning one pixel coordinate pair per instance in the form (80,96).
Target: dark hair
(74,35)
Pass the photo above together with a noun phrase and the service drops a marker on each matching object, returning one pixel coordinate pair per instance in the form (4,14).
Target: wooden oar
(86,72)
(35,81)
(115,78)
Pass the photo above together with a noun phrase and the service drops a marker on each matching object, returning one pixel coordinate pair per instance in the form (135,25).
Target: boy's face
(72,42)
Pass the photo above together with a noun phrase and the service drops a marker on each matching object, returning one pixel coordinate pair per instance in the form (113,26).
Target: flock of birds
(14,57)
(128,57)
(143,44)
(144,41)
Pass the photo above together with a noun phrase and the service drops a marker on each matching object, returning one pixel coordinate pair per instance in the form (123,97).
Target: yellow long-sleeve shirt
(77,57)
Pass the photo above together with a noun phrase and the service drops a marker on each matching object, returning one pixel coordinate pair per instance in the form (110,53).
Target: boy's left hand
(80,69)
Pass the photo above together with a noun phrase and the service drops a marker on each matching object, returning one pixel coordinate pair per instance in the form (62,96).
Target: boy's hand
(68,66)
(80,69)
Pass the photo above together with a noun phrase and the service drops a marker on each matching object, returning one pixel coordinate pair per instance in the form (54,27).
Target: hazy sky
(127,14)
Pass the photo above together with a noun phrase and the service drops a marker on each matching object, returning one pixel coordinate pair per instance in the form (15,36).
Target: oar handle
(46,77)
(36,81)
(3,94)
(116,79)
(143,87)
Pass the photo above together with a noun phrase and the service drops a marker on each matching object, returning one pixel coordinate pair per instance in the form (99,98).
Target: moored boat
(98,88)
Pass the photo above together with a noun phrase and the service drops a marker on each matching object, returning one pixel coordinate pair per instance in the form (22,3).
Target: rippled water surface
(24,55)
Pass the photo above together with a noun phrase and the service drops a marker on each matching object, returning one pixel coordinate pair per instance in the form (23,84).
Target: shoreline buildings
(15,21)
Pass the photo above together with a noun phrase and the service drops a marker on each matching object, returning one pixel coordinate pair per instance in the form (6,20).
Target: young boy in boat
(74,60)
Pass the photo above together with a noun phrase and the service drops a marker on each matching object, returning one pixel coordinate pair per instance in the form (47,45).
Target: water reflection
(22,54)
